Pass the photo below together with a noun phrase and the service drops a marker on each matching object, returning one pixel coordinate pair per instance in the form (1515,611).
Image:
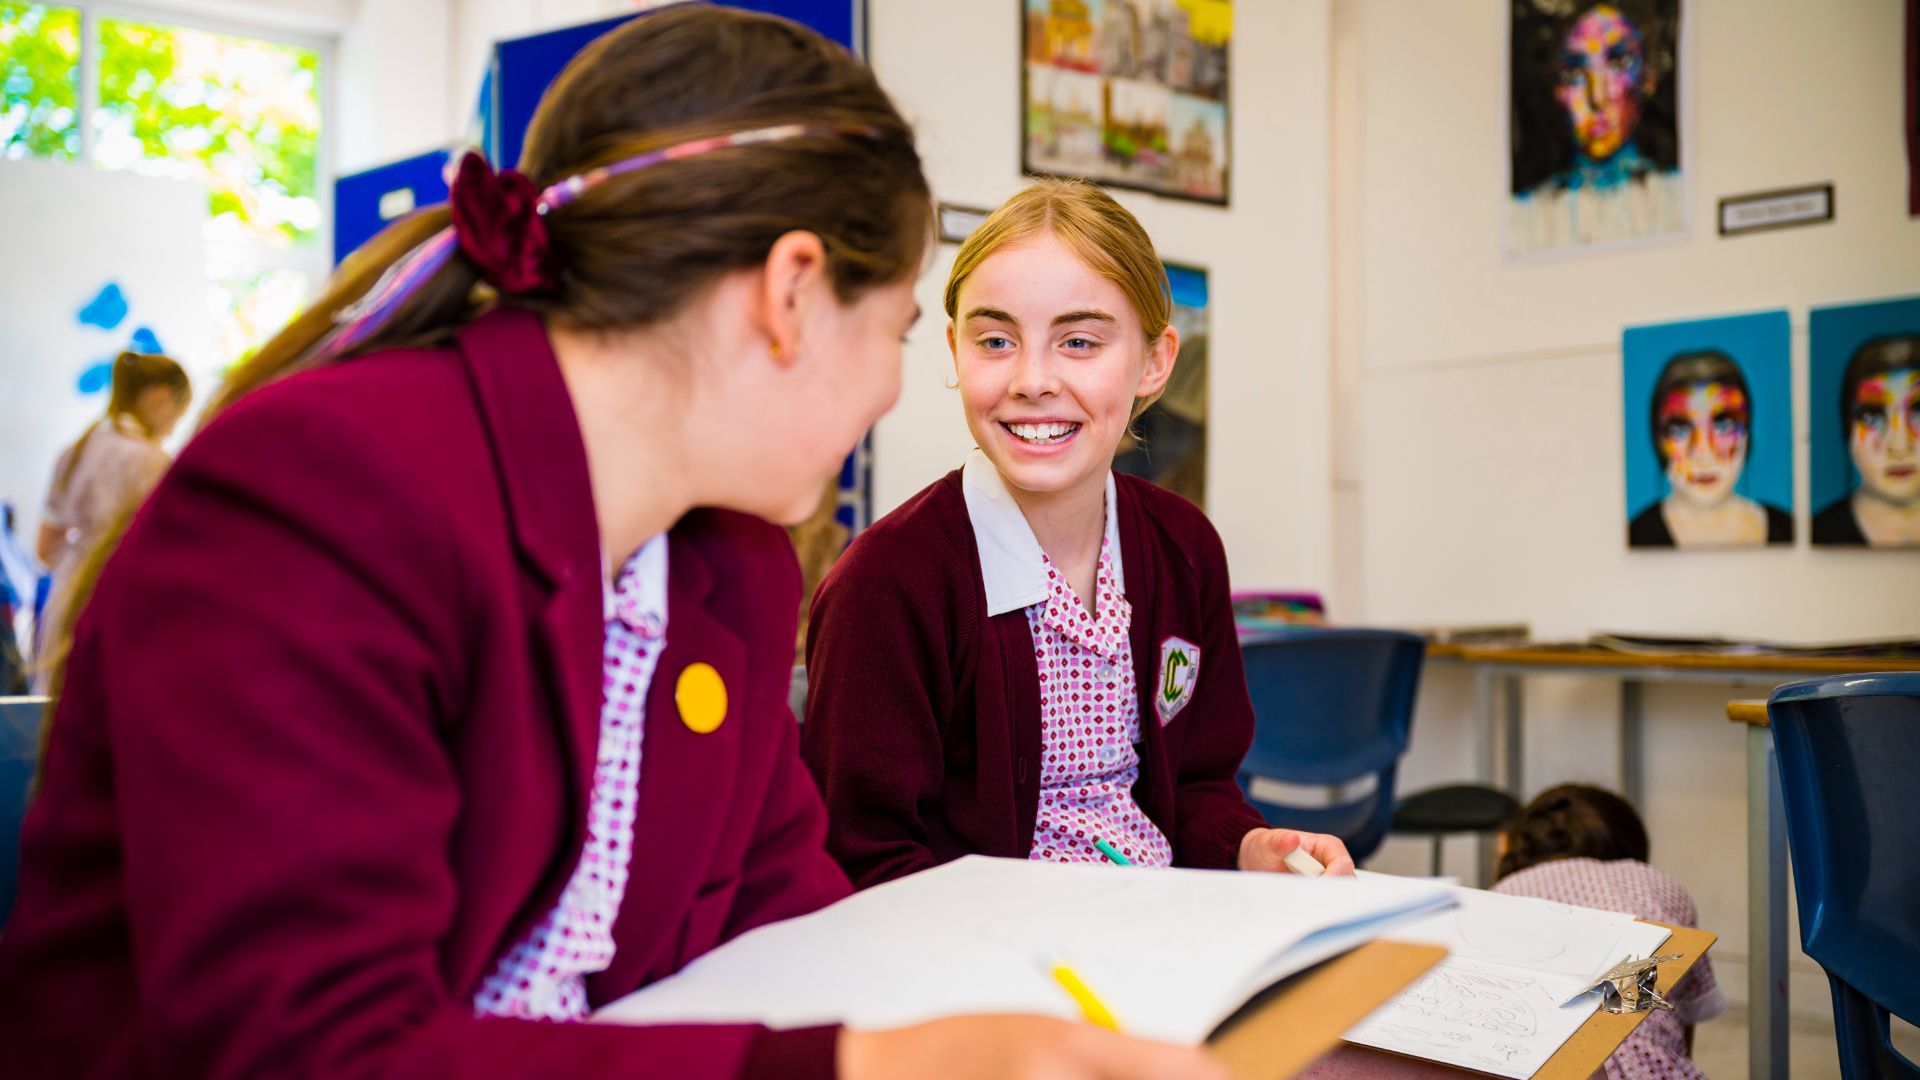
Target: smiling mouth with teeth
(1042,434)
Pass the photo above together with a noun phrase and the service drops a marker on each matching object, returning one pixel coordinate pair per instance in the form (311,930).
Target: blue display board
(523,68)
(364,202)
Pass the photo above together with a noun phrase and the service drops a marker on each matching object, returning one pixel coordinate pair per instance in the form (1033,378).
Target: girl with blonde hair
(1035,657)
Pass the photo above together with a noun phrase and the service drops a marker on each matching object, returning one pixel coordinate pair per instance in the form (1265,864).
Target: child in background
(1581,845)
(107,471)
(1035,657)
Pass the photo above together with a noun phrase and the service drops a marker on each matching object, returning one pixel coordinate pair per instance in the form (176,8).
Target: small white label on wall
(395,203)
(1776,209)
(958,222)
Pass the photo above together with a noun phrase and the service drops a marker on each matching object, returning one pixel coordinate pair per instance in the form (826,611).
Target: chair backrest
(1849,752)
(1332,706)
(19,746)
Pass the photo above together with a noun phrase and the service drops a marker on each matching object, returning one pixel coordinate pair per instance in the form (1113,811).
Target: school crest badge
(1179,674)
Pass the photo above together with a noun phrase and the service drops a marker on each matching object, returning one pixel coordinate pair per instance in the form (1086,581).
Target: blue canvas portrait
(1863,387)
(1709,426)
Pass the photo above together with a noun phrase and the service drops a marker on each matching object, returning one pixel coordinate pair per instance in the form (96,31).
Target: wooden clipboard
(1577,1059)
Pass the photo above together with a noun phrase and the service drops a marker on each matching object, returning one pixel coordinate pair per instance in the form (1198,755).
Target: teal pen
(1112,853)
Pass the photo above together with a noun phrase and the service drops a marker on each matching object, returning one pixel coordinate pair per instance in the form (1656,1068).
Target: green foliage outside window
(240,114)
(39,81)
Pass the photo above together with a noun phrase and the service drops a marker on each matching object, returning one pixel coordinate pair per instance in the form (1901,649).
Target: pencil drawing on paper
(1494,1003)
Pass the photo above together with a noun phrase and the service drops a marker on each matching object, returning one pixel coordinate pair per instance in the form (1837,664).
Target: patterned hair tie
(498,223)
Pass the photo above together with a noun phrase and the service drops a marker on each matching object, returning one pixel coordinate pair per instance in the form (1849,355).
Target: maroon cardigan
(330,728)
(923,714)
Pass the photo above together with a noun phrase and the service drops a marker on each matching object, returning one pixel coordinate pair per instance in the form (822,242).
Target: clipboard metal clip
(1628,986)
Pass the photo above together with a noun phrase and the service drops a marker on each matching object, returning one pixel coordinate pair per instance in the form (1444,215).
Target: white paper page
(1500,1018)
(1562,944)
(1170,952)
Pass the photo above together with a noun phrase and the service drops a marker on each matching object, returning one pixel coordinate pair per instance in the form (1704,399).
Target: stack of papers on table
(1495,1004)
(1171,952)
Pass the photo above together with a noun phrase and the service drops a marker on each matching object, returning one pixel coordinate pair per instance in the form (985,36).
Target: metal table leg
(1766,911)
(1484,749)
(1633,746)
(1514,774)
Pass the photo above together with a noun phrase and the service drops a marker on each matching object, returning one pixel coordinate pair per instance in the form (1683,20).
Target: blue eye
(994,342)
(1079,342)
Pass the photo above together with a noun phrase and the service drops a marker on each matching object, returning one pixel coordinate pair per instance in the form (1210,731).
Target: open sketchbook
(1171,952)
(1495,1004)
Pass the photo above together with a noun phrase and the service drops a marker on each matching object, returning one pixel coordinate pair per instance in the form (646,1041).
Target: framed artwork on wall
(1168,443)
(1128,93)
(1709,432)
(1863,390)
(1594,131)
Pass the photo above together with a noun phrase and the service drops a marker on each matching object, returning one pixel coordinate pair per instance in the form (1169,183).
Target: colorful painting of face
(1863,378)
(1709,432)
(1593,123)
(1703,437)
(1885,435)
(1602,68)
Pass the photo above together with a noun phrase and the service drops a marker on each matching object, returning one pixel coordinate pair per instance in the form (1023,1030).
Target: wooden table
(1500,733)
(1767,954)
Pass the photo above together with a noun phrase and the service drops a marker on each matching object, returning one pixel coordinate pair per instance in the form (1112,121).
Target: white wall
(1489,400)
(393,90)
(954,70)
(1479,406)
(71,230)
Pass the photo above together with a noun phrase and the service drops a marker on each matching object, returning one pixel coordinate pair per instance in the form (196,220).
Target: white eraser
(1303,864)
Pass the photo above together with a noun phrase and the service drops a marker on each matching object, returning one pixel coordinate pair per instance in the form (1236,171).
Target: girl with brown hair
(467,712)
(1582,845)
(108,470)
(1035,657)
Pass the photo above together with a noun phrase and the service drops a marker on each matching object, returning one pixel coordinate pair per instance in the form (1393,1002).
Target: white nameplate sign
(1776,209)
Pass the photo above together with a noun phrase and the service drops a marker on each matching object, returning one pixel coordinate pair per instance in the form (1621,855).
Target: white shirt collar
(1010,556)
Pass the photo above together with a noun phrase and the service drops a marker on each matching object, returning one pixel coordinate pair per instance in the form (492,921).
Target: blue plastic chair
(1332,706)
(1849,751)
(19,746)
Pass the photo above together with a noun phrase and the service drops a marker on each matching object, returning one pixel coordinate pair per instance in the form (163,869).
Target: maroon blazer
(327,743)
(923,713)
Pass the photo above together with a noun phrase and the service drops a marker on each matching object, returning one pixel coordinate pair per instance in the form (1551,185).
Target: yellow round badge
(702,698)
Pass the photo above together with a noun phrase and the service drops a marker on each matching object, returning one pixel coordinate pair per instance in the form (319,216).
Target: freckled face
(1884,437)
(1602,77)
(1702,430)
(1050,356)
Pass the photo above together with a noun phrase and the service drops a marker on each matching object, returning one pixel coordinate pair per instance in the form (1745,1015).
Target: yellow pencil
(1091,1007)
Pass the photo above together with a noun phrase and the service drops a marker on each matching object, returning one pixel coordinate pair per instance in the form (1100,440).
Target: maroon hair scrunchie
(496,218)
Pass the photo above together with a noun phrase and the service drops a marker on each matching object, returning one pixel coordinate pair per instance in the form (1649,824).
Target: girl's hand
(1266,849)
(1016,1048)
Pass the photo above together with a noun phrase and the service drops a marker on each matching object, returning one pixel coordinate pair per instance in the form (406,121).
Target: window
(40,81)
(239,114)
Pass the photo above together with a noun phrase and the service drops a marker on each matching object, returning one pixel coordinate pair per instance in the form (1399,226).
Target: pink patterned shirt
(1657,1049)
(544,977)
(1089,724)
